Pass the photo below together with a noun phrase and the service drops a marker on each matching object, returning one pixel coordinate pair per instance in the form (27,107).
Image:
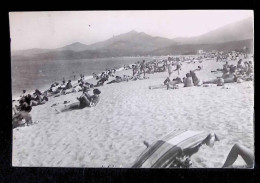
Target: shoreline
(47,86)
(89,77)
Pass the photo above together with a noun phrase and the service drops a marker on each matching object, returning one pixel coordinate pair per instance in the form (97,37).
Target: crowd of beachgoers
(231,73)
(237,71)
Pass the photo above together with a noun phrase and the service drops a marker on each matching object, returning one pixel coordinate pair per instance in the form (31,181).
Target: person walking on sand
(178,67)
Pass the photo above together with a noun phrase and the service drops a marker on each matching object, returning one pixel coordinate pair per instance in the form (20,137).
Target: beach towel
(163,152)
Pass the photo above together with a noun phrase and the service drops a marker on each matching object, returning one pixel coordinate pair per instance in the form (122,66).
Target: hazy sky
(57,29)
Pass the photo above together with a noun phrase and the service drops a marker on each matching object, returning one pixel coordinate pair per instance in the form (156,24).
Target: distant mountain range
(241,30)
(234,36)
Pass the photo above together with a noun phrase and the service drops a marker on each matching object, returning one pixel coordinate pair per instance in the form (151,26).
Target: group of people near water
(26,102)
(243,71)
(21,112)
(232,55)
(151,67)
(231,73)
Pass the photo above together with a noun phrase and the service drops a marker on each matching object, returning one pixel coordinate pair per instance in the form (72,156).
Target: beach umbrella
(162,153)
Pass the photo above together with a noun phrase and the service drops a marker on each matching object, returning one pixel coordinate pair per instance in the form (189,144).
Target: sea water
(31,75)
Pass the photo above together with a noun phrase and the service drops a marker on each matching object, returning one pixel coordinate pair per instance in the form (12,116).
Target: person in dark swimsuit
(85,100)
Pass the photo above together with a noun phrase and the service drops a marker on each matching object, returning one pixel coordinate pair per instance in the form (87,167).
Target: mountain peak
(76,46)
(133,32)
(76,43)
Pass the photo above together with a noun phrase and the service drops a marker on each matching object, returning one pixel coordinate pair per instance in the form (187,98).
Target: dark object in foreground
(174,149)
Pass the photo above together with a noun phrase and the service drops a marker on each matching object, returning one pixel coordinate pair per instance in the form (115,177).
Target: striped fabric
(161,153)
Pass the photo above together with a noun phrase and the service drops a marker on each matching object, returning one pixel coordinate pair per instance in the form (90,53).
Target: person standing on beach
(142,67)
(250,69)
(178,67)
(169,66)
(138,65)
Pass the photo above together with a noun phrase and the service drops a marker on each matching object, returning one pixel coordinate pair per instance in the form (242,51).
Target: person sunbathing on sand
(69,85)
(239,65)
(24,102)
(237,149)
(101,81)
(85,100)
(117,80)
(188,81)
(225,69)
(22,117)
(244,152)
(195,79)
(229,77)
(37,98)
(182,158)
(174,83)
(250,69)
(23,94)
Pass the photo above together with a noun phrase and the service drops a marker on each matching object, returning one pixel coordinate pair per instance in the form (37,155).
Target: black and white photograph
(133,89)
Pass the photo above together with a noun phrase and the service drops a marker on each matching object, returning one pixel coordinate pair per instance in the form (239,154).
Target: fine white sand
(111,133)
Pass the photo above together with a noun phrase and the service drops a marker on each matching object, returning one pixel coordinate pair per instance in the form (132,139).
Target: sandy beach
(111,134)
